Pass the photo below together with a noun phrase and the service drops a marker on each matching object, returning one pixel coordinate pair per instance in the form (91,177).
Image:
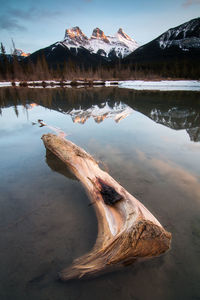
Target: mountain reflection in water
(100,112)
(176,110)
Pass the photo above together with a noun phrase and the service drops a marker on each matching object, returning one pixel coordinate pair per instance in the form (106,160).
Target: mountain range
(179,45)
(80,50)
(175,53)
(119,45)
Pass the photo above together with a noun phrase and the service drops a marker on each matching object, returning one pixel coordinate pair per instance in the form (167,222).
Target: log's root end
(143,240)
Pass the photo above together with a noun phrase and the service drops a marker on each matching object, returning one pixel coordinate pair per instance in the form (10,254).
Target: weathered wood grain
(126,229)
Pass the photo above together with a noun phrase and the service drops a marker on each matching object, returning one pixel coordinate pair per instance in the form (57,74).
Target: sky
(34,24)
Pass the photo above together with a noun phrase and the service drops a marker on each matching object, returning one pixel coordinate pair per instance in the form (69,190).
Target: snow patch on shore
(5,83)
(163,85)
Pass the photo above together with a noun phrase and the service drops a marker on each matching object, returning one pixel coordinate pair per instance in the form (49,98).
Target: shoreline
(160,85)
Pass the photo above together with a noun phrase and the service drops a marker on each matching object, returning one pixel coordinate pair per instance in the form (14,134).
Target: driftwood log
(126,229)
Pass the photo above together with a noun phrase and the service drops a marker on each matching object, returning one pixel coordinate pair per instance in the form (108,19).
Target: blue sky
(36,24)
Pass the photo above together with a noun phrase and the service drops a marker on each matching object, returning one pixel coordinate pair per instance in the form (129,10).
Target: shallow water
(148,141)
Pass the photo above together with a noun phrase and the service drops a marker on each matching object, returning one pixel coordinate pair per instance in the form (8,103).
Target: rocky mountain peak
(74,32)
(123,34)
(99,34)
(75,37)
(119,45)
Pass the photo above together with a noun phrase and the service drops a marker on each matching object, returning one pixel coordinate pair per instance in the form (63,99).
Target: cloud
(191,2)
(32,13)
(13,18)
(10,23)
(20,14)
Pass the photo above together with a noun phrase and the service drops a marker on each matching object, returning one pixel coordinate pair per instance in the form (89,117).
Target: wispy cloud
(10,23)
(191,2)
(13,18)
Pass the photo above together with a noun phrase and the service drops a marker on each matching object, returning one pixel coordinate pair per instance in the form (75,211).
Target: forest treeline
(12,68)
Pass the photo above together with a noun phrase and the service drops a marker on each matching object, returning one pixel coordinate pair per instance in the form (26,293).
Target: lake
(148,141)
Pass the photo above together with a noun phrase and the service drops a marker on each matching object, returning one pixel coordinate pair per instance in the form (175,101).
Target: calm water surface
(148,141)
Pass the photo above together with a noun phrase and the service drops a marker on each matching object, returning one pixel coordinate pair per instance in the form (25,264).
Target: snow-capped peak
(121,33)
(119,45)
(99,34)
(74,32)
(75,37)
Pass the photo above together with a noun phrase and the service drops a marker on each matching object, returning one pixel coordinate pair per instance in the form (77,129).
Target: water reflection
(56,165)
(101,112)
(176,110)
(176,117)
(51,222)
(187,181)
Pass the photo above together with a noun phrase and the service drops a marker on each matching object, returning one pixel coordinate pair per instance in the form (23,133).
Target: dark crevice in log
(108,193)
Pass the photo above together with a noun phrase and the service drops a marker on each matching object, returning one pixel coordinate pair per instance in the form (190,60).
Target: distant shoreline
(163,85)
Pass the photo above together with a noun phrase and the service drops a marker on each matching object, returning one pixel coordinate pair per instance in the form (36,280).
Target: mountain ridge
(177,40)
(77,50)
(174,54)
(99,43)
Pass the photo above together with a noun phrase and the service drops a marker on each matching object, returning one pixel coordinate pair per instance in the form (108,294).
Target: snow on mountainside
(185,36)
(74,37)
(175,53)
(119,45)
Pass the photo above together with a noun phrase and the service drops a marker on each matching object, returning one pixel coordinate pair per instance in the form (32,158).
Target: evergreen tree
(5,63)
(14,50)
(3,51)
